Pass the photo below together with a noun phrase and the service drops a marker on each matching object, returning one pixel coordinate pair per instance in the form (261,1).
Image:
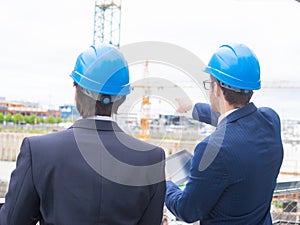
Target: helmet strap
(103,98)
(234,89)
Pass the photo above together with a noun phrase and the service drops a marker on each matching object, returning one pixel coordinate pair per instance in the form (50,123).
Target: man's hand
(185,105)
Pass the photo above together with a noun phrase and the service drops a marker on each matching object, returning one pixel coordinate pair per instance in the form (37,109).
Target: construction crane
(145,107)
(107,22)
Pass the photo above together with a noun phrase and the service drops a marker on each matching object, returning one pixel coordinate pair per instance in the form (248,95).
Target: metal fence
(285,208)
(285,222)
(286,203)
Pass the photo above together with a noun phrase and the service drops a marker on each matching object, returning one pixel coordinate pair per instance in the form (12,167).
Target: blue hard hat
(102,69)
(235,65)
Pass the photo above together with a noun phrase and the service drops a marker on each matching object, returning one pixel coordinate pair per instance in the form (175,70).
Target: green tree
(17,118)
(1,117)
(26,119)
(8,118)
(50,119)
(40,120)
(32,119)
(58,119)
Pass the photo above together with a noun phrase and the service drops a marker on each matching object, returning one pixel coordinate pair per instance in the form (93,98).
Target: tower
(107,22)
(145,107)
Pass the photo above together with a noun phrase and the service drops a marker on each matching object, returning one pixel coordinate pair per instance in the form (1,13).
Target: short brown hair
(234,98)
(88,107)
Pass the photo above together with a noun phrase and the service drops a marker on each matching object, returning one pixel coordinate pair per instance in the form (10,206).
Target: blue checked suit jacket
(234,170)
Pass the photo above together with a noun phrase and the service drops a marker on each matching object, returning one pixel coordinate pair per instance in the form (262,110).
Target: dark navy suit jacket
(234,170)
(91,174)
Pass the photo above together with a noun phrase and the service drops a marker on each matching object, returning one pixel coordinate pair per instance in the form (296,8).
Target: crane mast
(107,22)
(145,106)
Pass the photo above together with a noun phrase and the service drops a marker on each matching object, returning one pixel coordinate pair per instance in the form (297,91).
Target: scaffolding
(286,203)
(107,22)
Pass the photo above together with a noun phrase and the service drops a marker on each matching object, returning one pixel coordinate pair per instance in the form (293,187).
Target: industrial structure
(107,22)
(26,109)
(68,111)
(30,108)
(145,107)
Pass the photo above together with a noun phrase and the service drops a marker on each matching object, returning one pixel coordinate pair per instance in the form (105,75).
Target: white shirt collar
(105,118)
(221,117)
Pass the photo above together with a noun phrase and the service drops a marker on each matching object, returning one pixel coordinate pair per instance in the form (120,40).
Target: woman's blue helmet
(102,69)
(236,66)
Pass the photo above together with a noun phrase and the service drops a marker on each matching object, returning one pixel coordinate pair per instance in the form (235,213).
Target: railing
(285,222)
(286,203)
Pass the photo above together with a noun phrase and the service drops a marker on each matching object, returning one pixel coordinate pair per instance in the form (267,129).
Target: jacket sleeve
(202,190)
(154,212)
(21,202)
(203,113)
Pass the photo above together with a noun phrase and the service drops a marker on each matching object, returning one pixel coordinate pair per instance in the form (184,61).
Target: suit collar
(239,113)
(224,115)
(92,124)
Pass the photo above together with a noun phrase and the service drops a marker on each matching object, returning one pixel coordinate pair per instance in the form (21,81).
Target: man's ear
(217,90)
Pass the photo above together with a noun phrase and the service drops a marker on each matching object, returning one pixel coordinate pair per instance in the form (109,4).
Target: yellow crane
(145,107)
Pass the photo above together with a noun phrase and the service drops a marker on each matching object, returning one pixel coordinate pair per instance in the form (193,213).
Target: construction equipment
(107,22)
(145,107)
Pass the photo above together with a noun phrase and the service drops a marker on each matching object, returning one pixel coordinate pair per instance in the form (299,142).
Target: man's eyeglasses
(208,84)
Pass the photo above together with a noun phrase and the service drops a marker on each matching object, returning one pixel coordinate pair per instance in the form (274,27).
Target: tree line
(28,119)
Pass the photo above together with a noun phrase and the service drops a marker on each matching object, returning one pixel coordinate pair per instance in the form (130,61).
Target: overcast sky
(40,40)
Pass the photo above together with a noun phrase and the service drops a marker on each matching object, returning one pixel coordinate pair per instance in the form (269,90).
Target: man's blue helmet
(102,69)
(236,66)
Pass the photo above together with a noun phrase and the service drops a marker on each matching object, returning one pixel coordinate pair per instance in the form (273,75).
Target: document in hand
(178,166)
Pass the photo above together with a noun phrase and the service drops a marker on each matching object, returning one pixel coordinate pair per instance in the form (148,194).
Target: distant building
(26,109)
(68,111)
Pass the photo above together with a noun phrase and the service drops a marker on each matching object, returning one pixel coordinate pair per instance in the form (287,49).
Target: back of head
(101,78)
